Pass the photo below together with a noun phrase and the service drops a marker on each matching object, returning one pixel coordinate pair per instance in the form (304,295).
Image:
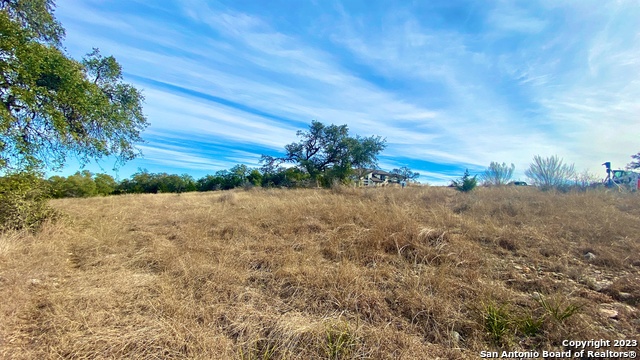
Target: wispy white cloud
(520,79)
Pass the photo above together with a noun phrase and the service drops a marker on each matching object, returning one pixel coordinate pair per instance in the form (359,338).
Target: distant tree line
(87,184)
(545,173)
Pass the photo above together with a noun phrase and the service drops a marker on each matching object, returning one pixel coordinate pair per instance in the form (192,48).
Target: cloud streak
(449,86)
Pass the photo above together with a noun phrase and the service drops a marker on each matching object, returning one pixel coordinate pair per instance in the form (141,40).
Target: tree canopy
(53,106)
(406,174)
(328,151)
(466,183)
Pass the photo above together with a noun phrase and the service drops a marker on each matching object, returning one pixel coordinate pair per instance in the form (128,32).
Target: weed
(530,325)
(341,341)
(497,322)
(557,310)
(261,350)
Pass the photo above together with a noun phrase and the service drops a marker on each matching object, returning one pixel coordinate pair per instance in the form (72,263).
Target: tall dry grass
(321,274)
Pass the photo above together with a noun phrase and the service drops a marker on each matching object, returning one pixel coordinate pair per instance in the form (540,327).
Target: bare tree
(497,174)
(550,172)
(586,179)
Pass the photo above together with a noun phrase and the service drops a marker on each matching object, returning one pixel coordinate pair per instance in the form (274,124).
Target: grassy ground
(409,273)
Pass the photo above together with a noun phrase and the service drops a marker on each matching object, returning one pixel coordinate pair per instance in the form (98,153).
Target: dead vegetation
(345,273)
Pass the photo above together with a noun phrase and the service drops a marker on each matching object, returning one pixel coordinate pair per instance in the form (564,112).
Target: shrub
(550,173)
(466,183)
(105,184)
(497,174)
(23,201)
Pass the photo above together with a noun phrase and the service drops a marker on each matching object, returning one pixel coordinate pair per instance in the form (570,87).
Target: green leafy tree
(53,106)
(209,183)
(550,172)
(406,174)
(125,186)
(105,184)
(285,177)
(145,182)
(56,186)
(36,18)
(142,182)
(498,174)
(175,183)
(255,177)
(80,184)
(328,152)
(466,183)
(188,183)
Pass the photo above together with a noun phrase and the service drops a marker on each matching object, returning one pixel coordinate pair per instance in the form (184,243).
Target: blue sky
(449,84)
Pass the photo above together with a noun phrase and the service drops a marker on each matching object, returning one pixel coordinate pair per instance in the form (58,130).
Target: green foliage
(530,325)
(255,177)
(497,323)
(500,323)
(498,174)
(284,177)
(82,184)
(549,173)
(105,184)
(36,18)
(145,182)
(406,174)
(327,153)
(237,176)
(54,106)
(23,201)
(466,183)
(557,310)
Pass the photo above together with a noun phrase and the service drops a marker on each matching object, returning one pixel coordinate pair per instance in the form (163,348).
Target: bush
(550,173)
(497,174)
(81,184)
(466,183)
(105,184)
(23,201)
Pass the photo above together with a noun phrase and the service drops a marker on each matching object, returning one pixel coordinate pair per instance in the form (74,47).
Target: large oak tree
(329,151)
(52,106)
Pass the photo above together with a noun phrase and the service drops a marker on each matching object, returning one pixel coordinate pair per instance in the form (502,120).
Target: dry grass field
(415,273)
